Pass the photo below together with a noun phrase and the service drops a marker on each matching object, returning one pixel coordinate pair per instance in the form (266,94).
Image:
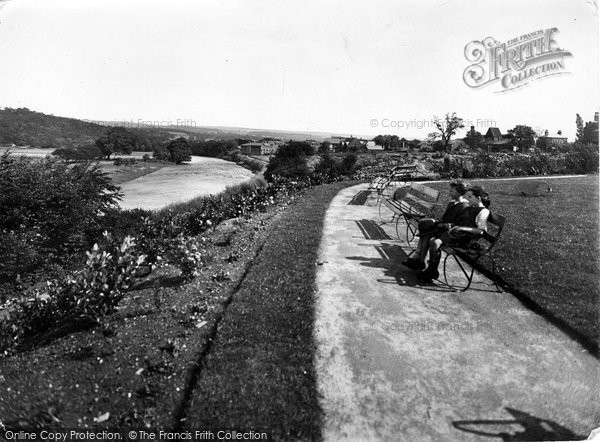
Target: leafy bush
(50,207)
(90,293)
(83,153)
(179,151)
(290,161)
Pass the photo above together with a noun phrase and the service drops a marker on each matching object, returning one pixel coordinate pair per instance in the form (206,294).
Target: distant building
(372,146)
(262,148)
(496,142)
(547,141)
(493,134)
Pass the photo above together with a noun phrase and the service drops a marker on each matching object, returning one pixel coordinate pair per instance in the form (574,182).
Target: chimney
(559,132)
(546,133)
(596,117)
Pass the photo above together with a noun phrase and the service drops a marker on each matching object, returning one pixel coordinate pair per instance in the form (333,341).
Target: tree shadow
(523,427)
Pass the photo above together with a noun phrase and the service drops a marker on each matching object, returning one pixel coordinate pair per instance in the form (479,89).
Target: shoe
(428,276)
(414,264)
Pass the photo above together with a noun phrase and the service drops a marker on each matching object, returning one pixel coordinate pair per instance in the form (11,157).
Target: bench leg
(410,234)
(382,214)
(468,275)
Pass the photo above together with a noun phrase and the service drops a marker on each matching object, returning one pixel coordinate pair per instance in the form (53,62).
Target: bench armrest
(472,230)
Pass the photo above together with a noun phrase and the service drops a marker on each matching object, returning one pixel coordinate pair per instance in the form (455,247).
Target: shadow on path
(360,198)
(523,427)
(371,230)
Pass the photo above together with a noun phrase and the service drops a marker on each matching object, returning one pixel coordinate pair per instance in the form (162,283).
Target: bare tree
(448,127)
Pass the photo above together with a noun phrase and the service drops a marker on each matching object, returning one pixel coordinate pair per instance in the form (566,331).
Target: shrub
(290,161)
(89,294)
(51,207)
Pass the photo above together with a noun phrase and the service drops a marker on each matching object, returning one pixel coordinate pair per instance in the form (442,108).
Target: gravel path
(399,361)
(203,176)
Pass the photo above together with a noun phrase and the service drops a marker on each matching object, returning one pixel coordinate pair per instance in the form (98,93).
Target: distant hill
(231,132)
(28,128)
(236,132)
(24,127)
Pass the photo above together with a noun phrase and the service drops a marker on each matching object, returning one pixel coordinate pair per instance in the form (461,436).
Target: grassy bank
(262,358)
(548,253)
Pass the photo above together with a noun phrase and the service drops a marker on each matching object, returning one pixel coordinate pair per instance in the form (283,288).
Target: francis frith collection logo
(515,63)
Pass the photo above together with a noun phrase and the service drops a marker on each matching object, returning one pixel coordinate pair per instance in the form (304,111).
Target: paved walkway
(400,361)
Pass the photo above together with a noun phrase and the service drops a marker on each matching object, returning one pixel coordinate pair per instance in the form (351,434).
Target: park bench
(477,249)
(404,173)
(380,184)
(417,202)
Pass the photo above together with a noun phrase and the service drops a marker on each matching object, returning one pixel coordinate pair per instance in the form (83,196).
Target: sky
(354,68)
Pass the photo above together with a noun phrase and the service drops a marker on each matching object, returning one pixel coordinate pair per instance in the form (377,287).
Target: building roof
(550,135)
(493,132)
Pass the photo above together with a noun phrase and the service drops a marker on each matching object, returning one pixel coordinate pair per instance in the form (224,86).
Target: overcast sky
(360,68)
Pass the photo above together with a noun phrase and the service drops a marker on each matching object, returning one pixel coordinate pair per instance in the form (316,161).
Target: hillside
(28,128)
(24,127)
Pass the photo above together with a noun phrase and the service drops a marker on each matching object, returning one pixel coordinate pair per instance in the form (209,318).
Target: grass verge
(262,357)
(548,254)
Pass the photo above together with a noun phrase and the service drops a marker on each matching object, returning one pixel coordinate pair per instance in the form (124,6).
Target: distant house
(262,148)
(335,143)
(496,142)
(548,140)
(493,134)
(370,145)
(355,144)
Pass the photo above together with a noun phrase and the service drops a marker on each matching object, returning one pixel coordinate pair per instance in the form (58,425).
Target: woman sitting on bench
(429,227)
(470,225)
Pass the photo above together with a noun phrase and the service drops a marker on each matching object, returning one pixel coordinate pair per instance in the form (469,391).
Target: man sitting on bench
(429,228)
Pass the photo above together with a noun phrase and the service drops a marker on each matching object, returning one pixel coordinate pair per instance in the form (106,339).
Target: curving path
(399,361)
(203,176)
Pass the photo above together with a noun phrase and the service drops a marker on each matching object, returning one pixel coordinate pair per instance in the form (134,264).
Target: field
(548,253)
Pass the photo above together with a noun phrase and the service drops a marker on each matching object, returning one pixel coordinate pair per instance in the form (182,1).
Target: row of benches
(415,202)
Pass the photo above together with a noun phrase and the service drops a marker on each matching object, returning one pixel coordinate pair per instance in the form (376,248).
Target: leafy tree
(179,151)
(116,140)
(447,128)
(161,154)
(325,147)
(290,161)
(474,139)
(379,140)
(84,153)
(580,133)
(523,136)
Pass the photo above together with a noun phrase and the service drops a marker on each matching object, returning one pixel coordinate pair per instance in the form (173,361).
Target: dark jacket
(453,211)
(468,216)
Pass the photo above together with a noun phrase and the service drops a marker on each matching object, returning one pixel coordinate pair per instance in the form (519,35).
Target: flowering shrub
(185,253)
(90,294)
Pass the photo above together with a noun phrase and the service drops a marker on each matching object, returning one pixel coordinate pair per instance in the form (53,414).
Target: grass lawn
(548,254)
